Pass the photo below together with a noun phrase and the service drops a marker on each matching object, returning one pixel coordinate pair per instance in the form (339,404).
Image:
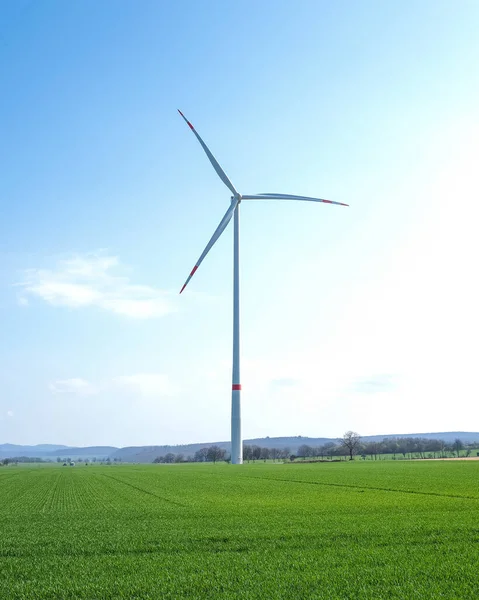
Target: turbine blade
(290,197)
(213,161)
(219,230)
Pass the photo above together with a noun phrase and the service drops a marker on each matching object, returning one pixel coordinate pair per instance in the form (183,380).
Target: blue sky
(359,318)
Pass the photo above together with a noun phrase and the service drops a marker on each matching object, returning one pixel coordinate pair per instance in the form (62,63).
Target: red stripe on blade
(236,387)
(191,275)
(190,125)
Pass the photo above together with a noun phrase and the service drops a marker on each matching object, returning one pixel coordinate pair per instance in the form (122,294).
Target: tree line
(93,459)
(23,459)
(208,454)
(404,447)
(349,446)
(217,454)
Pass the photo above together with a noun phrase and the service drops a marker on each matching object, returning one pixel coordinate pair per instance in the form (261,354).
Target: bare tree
(201,455)
(247,452)
(372,448)
(458,446)
(216,453)
(329,449)
(274,453)
(351,441)
(305,451)
(265,454)
(256,453)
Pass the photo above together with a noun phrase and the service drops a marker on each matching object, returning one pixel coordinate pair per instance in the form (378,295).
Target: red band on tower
(236,387)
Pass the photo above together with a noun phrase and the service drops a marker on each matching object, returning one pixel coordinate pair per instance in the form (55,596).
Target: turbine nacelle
(236,199)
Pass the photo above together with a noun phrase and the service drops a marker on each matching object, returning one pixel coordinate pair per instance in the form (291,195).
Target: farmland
(363,530)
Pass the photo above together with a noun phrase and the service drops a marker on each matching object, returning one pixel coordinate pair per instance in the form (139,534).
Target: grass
(362,530)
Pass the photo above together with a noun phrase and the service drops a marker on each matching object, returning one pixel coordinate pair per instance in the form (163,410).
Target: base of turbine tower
(236,440)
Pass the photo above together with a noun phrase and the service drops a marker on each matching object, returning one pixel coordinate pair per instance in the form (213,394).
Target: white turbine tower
(236,440)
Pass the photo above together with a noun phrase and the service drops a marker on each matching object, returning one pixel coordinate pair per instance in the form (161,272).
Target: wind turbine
(236,199)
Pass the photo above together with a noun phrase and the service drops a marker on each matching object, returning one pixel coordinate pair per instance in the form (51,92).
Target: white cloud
(9,413)
(87,281)
(76,386)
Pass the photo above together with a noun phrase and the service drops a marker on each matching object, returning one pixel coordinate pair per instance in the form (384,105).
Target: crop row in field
(359,530)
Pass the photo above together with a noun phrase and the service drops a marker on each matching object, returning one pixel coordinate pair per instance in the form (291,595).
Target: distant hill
(88,452)
(146,454)
(52,451)
(38,447)
(38,451)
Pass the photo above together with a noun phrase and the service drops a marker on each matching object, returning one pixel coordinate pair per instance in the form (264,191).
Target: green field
(386,529)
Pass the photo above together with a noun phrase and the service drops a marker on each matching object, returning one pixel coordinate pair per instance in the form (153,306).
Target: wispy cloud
(77,386)
(143,384)
(9,413)
(91,280)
